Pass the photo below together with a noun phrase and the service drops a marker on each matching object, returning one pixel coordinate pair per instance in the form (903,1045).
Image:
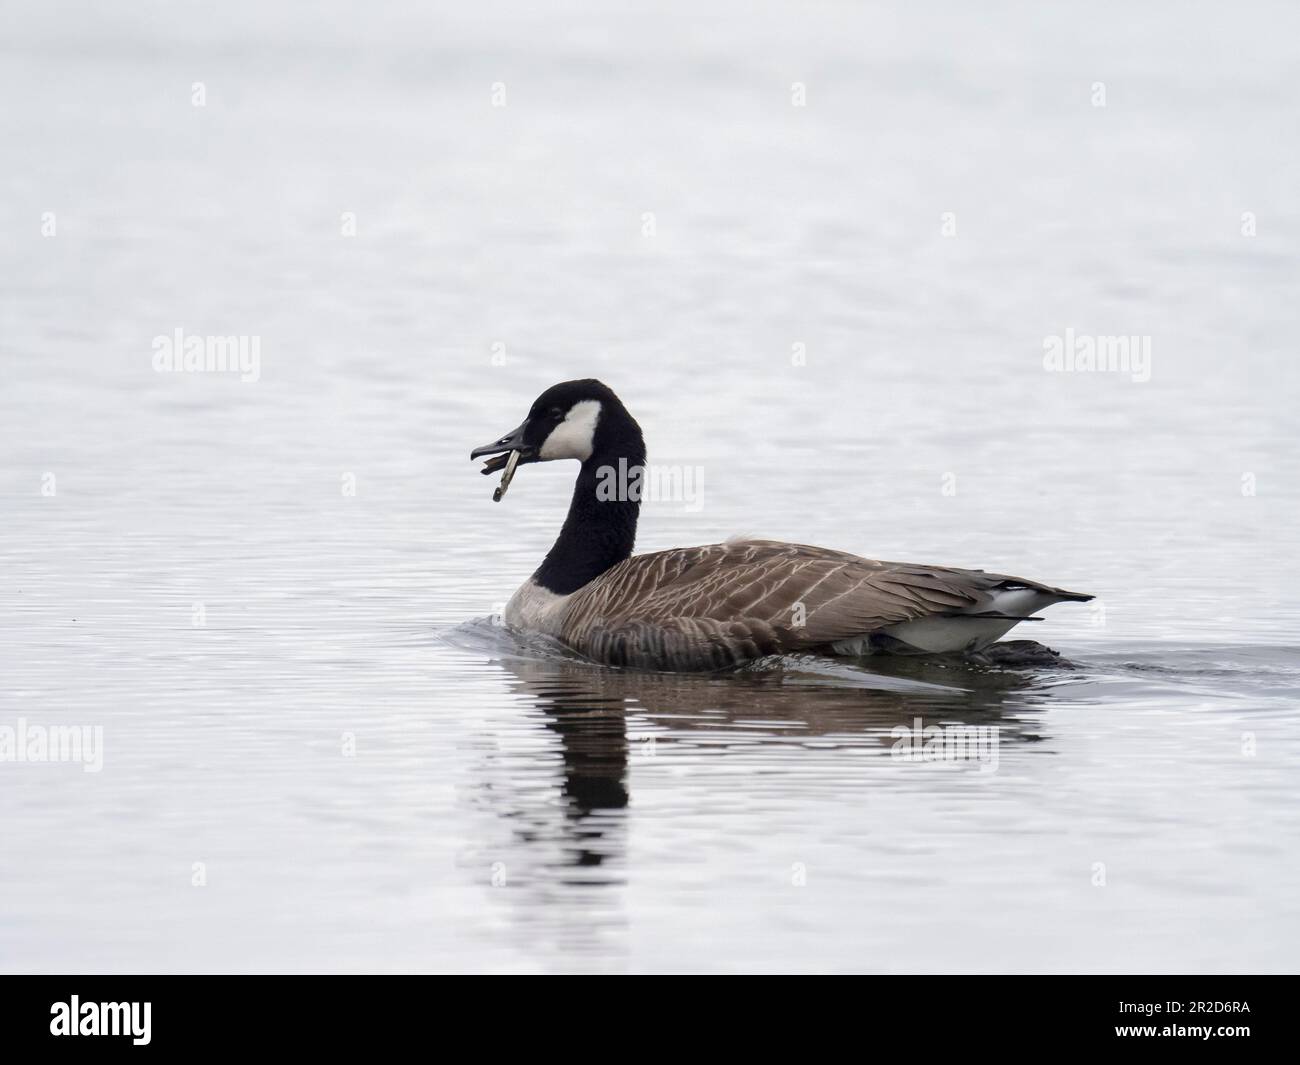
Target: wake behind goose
(720,605)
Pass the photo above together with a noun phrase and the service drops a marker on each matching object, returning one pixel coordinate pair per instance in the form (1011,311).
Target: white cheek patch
(573,438)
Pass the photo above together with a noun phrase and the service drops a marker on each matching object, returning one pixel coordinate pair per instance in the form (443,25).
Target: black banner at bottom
(147,1014)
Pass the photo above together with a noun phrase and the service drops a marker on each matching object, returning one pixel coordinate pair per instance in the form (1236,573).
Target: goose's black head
(581,420)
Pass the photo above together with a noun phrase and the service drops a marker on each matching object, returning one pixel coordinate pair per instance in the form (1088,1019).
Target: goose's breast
(536,609)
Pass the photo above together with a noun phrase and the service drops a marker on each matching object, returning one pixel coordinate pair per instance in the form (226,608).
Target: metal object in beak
(506,476)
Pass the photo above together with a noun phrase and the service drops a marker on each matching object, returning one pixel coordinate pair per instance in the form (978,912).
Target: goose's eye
(556,412)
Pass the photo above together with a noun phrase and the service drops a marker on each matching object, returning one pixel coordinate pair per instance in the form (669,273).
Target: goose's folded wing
(733,601)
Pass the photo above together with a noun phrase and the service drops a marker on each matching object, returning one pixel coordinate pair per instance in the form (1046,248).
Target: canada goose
(710,607)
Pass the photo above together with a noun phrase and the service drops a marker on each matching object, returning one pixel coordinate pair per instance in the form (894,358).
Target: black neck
(599,531)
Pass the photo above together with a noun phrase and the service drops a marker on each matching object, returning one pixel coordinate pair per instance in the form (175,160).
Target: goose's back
(720,604)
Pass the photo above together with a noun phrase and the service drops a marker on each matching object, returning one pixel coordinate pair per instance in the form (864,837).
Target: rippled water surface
(275,597)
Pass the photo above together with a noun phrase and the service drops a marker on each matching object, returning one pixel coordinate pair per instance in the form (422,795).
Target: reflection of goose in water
(781,696)
(605,720)
(689,745)
(712,607)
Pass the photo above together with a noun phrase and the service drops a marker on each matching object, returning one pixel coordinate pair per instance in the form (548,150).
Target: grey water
(821,251)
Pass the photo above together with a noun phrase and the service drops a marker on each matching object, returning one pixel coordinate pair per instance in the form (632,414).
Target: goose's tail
(1001,604)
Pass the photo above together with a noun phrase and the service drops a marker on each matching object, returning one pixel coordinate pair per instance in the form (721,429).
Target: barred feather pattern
(715,606)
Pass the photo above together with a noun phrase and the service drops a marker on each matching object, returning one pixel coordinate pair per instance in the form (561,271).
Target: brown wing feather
(713,606)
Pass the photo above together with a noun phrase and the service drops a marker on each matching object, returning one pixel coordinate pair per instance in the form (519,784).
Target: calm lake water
(274,596)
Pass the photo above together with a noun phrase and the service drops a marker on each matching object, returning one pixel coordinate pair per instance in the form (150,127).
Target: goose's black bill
(512,441)
(508,454)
